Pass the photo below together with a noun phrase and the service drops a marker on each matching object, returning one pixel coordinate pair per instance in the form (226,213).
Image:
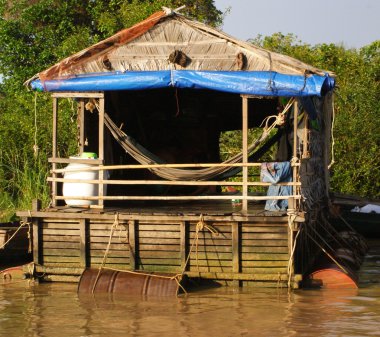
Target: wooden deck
(211,240)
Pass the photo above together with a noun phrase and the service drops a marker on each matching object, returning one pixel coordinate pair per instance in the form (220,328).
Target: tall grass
(22,179)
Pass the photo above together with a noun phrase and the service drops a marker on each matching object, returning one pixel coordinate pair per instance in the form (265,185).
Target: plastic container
(79,189)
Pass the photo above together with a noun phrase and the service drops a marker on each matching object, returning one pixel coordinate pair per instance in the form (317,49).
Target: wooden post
(305,138)
(328,115)
(101,151)
(54,150)
(37,251)
(184,231)
(81,126)
(132,244)
(292,201)
(244,208)
(83,245)
(235,251)
(295,143)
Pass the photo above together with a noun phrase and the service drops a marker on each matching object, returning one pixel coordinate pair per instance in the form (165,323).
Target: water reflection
(29,309)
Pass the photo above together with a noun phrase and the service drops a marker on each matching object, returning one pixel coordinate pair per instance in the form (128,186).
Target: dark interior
(177,125)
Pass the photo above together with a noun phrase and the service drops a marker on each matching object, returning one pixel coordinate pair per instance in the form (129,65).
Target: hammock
(145,157)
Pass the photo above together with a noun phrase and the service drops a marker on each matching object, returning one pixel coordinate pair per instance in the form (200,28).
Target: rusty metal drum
(129,283)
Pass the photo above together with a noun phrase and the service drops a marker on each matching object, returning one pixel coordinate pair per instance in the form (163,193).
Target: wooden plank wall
(255,251)
(118,255)
(159,246)
(211,252)
(264,248)
(60,243)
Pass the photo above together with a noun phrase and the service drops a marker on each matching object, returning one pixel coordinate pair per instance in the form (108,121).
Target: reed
(22,179)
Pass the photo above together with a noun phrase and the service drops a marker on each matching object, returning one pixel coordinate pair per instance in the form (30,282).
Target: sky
(351,23)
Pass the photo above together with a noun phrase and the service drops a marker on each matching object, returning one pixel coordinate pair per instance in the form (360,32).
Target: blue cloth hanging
(276,172)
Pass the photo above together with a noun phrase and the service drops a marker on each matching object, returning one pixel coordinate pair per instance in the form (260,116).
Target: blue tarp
(264,83)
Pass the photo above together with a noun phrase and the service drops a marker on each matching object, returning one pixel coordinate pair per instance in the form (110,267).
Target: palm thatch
(166,41)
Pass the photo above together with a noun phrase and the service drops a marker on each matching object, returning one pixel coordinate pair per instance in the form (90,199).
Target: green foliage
(357,137)
(34,35)
(22,179)
(231,145)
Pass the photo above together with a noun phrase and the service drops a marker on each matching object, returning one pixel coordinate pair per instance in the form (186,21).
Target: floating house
(150,190)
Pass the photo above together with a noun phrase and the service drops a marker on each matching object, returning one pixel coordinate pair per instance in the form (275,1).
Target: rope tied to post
(114,226)
(280,118)
(294,161)
(292,215)
(200,226)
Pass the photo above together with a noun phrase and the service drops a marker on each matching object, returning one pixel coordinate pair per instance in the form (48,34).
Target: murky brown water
(56,310)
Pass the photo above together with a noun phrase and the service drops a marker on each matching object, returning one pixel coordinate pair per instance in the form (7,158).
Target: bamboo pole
(147,166)
(76,160)
(68,94)
(172,182)
(181,197)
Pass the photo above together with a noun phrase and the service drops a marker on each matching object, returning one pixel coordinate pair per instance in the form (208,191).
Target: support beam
(132,244)
(101,152)
(37,251)
(83,233)
(244,208)
(54,151)
(81,126)
(184,230)
(235,251)
(295,146)
(305,138)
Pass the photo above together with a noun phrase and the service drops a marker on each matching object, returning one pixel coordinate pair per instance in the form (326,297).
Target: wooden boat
(367,224)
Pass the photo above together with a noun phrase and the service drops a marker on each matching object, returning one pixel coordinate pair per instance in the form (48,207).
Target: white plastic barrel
(79,189)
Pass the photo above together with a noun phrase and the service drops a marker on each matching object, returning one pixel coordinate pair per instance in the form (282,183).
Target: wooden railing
(98,166)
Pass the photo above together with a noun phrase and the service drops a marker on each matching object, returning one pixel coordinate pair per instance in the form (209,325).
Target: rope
(114,227)
(332,136)
(22,224)
(176,277)
(200,226)
(291,218)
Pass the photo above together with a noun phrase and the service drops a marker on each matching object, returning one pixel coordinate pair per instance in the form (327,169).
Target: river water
(31,309)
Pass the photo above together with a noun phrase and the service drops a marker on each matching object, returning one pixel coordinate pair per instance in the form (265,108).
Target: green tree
(357,138)
(36,34)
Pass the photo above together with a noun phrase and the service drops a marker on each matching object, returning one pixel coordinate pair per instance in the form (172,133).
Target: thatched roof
(169,41)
